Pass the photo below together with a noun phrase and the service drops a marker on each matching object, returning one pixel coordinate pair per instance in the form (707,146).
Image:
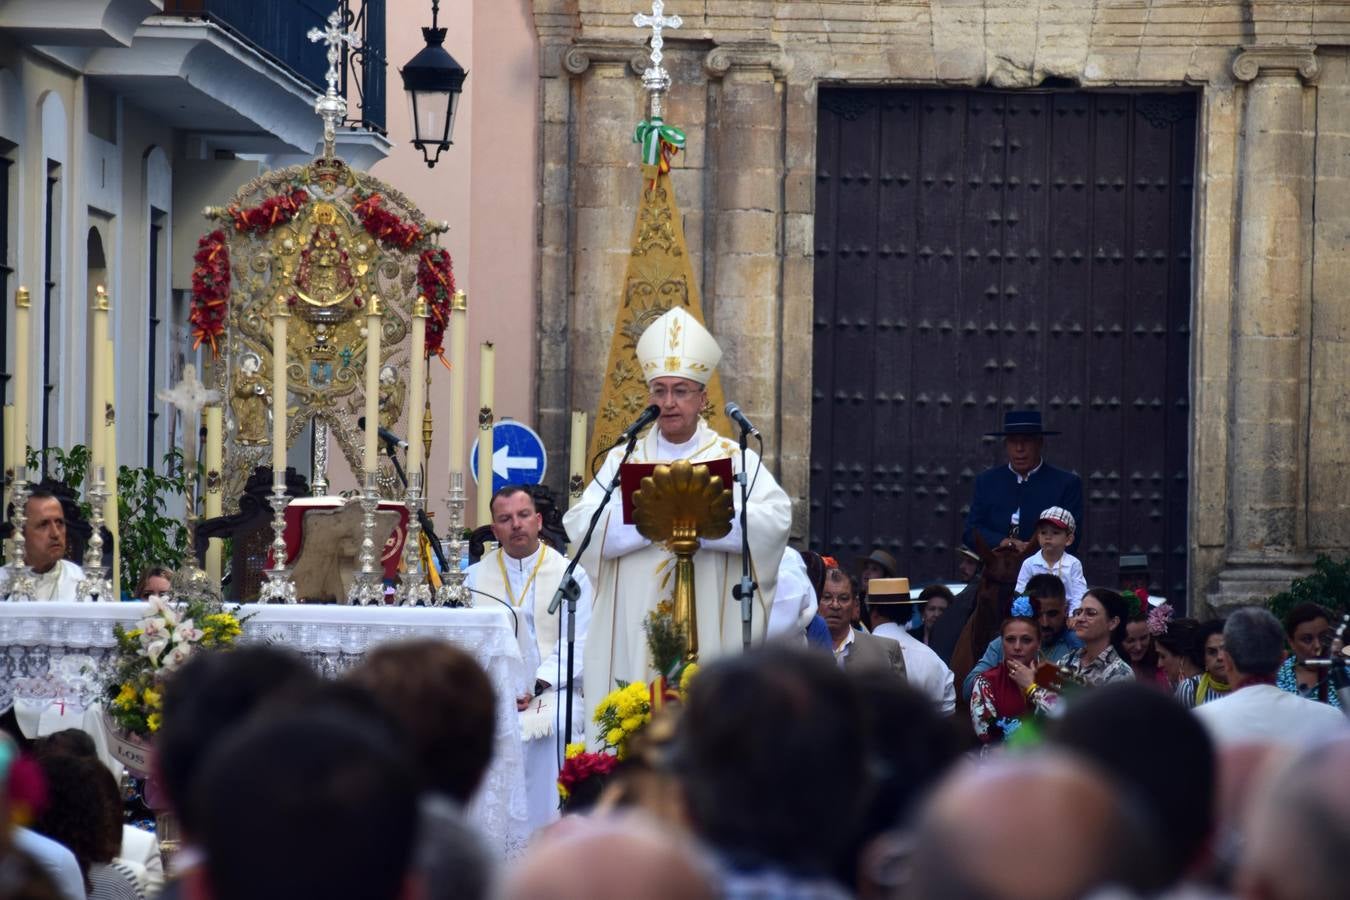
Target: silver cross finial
(656,79)
(330,106)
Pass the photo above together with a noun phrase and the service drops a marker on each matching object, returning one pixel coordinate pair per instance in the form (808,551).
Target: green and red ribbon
(660,142)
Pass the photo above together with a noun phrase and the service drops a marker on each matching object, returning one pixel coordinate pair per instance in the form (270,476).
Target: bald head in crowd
(1047,827)
(1299,828)
(610,858)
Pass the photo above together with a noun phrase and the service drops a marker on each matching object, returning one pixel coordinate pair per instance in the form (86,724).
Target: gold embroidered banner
(659,276)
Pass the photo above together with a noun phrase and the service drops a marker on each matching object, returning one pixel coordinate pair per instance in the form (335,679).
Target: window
(48,305)
(153,338)
(6,270)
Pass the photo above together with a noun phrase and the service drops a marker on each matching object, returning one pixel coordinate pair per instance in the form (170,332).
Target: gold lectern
(676,505)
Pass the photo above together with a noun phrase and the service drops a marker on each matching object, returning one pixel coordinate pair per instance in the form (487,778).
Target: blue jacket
(997,494)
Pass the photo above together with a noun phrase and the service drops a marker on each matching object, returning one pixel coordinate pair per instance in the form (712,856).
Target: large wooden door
(977,251)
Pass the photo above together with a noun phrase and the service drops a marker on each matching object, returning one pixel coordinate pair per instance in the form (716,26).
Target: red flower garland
(273,211)
(383,225)
(583,766)
(210,290)
(436,282)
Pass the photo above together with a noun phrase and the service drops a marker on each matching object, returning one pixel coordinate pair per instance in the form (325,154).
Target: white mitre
(678,346)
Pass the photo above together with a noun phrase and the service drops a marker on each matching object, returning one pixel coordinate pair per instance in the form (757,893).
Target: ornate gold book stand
(676,505)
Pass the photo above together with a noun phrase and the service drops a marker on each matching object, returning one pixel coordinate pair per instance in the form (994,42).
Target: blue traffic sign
(518,455)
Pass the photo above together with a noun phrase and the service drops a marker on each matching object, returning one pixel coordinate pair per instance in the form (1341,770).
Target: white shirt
(1016,517)
(924,669)
(794,601)
(1262,713)
(57,861)
(57,583)
(841,651)
(1069,570)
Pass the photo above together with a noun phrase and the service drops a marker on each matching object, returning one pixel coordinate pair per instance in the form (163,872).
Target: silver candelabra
(22,585)
(413,589)
(279,587)
(95,585)
(452,591)
(368,584)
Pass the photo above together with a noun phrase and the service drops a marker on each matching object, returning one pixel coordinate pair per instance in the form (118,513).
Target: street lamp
(433,82)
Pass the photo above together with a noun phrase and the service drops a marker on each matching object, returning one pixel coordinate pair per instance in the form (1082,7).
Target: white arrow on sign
(503,463)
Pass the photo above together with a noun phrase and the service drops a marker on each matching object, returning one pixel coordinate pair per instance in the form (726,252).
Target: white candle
(373,326)
(486,364)
(281,314)
(23,338)
(576,467)
(111,517)
(215,455)
(418,388)
(459,370)
(98,394)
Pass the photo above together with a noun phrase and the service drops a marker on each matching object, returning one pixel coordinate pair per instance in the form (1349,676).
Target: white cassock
(57,583)
(528,586)
(632,575)
(794,600)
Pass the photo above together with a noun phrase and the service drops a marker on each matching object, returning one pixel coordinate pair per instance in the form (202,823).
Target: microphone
(648,416)
(385,434)
(734,413)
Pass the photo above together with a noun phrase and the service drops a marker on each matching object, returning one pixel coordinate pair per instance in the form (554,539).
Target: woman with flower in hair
(1180,655)
(1138,648)
(1003,695)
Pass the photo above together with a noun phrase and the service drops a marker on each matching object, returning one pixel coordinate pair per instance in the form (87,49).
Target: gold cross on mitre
(331,106)
(656,79)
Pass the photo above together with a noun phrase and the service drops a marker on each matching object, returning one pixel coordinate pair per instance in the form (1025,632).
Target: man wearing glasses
(632,575)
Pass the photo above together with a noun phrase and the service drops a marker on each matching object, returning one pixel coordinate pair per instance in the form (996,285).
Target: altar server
(633,575)
(525,573)
(44,547)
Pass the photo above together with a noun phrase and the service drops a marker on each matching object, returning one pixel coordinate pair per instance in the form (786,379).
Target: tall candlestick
(459,371)
(215,456)
(576,465)
(418,377)
(374,323)
(23,338)
(111,514)
(281,314)
(9,445)
(486,377)
(98,394)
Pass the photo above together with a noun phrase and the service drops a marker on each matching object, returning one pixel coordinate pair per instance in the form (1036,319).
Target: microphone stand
(745,591)
(570,590)
(422,516)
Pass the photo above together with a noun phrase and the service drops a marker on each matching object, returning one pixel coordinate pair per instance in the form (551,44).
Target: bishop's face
(681,401)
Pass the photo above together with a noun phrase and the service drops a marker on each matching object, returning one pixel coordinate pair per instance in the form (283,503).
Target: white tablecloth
(49,651)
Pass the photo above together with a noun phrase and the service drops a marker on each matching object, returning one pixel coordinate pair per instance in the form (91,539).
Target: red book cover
(631,475)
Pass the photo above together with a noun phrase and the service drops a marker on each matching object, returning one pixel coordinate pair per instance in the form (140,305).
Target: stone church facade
(1269,432)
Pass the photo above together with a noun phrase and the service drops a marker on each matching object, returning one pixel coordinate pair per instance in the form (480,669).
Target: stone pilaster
(743,300)
(1267,502)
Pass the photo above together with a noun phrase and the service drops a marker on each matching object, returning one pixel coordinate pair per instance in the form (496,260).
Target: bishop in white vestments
(44,547)
(633,575)
(525,573)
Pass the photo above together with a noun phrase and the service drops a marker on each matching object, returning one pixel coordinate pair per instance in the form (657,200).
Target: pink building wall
(484,186)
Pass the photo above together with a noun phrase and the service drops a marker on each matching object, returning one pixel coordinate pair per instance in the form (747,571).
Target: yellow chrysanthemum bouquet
(161,642)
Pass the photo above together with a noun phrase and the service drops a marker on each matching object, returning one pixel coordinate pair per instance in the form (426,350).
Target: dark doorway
(977,251)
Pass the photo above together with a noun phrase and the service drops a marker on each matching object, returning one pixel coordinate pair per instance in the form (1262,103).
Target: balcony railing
(280,28)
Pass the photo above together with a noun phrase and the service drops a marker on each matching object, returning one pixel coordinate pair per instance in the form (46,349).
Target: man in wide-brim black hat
(1009,498)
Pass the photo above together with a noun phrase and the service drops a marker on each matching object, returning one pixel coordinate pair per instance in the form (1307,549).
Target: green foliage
(70,467)
(1328,586)
(148,536)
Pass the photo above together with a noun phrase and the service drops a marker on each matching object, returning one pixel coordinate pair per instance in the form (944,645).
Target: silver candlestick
(279,588)
(95,585)
(368,583)
(452,591)
(413,589)
(22,585)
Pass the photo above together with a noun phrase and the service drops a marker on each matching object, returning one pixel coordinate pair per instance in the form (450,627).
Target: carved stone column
(1267,501)
(743,296)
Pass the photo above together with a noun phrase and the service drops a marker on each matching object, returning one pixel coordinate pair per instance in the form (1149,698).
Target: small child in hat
(1054,533)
